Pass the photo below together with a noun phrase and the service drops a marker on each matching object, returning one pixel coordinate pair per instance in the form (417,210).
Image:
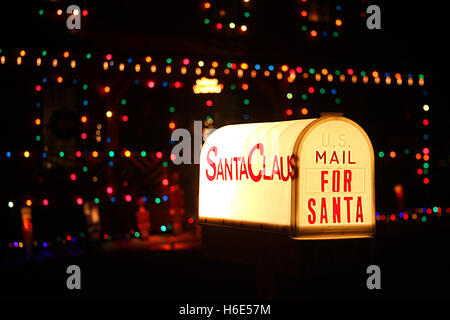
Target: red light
(304,13)
(311,90)
(186,61)
(405,216)
(159,155)
(419,171)
(313,33)
(190,220)
(172,125)
(108,56)
(84,13)
(209,103)
(79,201)
(299,70)
(45,202)
(173,157)
(38,88)
(73,177)
(425,122)
(165,182)
(219,26)
(151,84)
(105,236)
(109,190)
(233,66)
(426,151)
(78,154)
(69,238)
(426,180)
(177,84)
(392,217)
(125,118)
(289,112)
(84,136)
(350,71)
(128,198)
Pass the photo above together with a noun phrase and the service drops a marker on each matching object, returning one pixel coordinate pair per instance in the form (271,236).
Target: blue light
(108,140)
(44,244)
(44,155)
(8,154)
(110,163)
(38,104)
(74,81)
(44,80)
(136,82)
(333,91)
(113,199)
(338,7)
(425,93)
(163,228)
(271,68)
(144,198)
(324,33)
(245,117)
(85,102)
(377,214)
(165,198)
(401,215)
(257,67)
(426,137)
(165,84)
(387,74)
(130,60)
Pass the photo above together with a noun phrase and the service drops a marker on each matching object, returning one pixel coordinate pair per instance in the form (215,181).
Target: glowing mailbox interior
(314,178)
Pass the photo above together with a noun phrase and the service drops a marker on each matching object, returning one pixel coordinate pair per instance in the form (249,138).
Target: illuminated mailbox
(310,178)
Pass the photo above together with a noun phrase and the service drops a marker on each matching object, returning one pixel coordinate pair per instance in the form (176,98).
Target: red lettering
(220,170)
(349,160)
(348,199)
(211,163)
(334,157)
(243,169)
(261,151)
(277,169)
(347,181)
(323,211)
(359,214)
(287,165)
(236,159)
(322,174)
(312,215)
(337,209)
(336,180)
(321,156)
(228,168)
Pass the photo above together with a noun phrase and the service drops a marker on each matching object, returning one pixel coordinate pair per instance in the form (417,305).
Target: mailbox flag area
(311,177)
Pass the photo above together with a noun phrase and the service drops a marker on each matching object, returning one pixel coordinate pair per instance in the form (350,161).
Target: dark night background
(412,40)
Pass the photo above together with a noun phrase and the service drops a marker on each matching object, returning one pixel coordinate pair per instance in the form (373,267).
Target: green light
(165,164)
(61,154)
(335,34)
(233,87)
(81,234)
(363,73)
(312,71)
(206,21)
(44,53)
(426,165)
(337,72)
(435,209)
(229,65)
(424,219)
(208,117)
(246,14)
(425,171)
(407,151)
(41,12)
(38,138)
(304,28)
(96,200)
(322,90)
(88,55)
(289,95)
(381,154)
(111,153)
(304,96)
(246,101)
(421,76)
(169,226)
(157,200)
(85,169)
(143,154)
(85,86)
(123,101)
(169,60)
(337,101)
(172,109)
(137,234)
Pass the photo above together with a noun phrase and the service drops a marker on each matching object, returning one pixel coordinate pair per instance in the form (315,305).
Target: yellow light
(107,89)
(212,72)
(29,203)
(153,68)
(207,5)
(304,111)
(26,154)
(73,64)
(19,61)
(94,154)
(66,54)
(59,79)
(330,77)
(342,77)
(426,157)
(421,82)
(365,79)
(38,61)
(375,74)
(183,70)
(243,28)
(324,72)
(75,12)
(284,68)
(84,119)
(22,53)
(215,64)
(226,71)
(37,122)
(198,71)
(244,66)
(253,74)
(201,63)
(137,67)
(354,78)
(105,65)
(426,107)
(240,73)
(148,59)
(59,12)
(127,153)
(388,80)
(168,69)
(109,114)
(392,154)
(55,63)
(172,125)
(2,59)
(338,22)
(279,75)
(122,66)
(377,80)
(318,76)
(266,73)
(205,85)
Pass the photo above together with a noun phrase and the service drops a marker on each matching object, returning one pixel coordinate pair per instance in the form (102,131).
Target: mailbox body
(311,178)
